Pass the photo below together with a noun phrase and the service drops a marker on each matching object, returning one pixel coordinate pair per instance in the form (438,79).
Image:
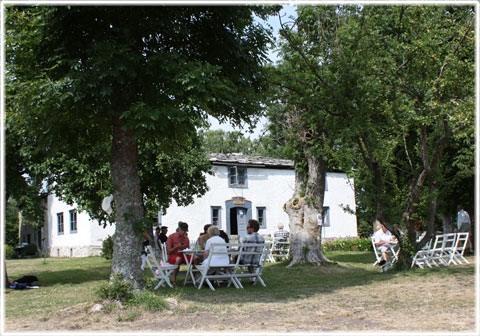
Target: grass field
(348,295)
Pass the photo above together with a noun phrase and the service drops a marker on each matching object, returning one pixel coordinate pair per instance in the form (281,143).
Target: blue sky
(287,11)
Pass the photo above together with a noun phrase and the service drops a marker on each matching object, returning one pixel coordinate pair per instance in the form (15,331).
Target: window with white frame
(326,216)
(60,223)
(237,177)
(262,217)
(73,221)
(216,216)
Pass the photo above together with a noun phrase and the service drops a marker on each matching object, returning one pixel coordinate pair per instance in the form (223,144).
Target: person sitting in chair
(177,242)
(252,237)
(214,238)
(383,240)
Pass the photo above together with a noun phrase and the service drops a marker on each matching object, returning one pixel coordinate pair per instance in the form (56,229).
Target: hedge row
(348,244)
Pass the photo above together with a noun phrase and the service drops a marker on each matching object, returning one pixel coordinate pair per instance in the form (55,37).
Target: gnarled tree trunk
(129,206)
(302,209)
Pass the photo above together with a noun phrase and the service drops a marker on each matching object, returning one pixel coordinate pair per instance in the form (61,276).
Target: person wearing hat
(177,242)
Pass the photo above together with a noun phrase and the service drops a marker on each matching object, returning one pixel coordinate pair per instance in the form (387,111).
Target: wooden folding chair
(436,252)
(258,252)
(280,249)
(422,256)
(460,245)
(448,248)
(160,272)
(378,255)
(209,272)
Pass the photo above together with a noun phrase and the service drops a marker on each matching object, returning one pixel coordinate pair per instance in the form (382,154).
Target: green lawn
(71,281)
(68,281)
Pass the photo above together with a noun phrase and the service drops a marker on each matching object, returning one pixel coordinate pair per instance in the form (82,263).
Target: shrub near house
(348,244)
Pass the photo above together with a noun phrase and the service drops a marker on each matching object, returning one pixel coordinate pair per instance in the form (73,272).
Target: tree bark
(446,224)
(129,206)
(302,210)
(20,224)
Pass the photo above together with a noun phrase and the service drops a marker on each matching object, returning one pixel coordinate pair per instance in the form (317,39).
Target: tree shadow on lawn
(70,276)
(301,281)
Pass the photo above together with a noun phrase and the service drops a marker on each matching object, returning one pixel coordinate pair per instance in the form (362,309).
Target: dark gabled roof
(249,161)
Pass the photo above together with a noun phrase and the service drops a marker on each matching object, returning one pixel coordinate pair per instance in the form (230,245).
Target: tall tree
(219,141)
(112,97)
(375,88)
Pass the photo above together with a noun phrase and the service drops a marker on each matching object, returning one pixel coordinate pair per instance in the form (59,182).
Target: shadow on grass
(70,276)
(301,281)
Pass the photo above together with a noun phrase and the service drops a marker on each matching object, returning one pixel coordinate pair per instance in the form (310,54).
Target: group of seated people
(179,241)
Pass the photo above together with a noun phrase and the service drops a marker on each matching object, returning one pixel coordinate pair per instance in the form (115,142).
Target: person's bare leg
(178,262)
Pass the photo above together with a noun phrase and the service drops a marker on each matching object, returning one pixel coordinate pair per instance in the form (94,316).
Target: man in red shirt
(177,242)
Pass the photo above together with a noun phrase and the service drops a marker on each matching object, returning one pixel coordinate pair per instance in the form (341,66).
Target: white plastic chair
(161,272)
(226,272)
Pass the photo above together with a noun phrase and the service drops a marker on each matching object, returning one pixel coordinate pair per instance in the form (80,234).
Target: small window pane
(261,217)
(60,222)
(233,175)
(241,175)
(73,221)
(216,217)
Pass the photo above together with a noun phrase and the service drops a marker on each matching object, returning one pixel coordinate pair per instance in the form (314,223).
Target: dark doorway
(233,221)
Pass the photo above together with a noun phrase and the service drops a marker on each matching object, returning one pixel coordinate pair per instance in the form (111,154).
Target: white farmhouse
(242,187)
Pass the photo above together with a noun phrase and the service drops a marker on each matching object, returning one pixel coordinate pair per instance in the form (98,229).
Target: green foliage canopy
(70,69)
(386,94)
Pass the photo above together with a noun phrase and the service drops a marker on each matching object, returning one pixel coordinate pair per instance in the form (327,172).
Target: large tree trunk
(413,197)
(129,206)
(302,210)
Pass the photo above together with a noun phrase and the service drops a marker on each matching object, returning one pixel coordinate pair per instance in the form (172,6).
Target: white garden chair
(434,254)
(460,245)
(378,255)
(442,249)
(422,256)
(161,272)
(270,257)
(448,248)
(226,272)
(258,252)
(280,249)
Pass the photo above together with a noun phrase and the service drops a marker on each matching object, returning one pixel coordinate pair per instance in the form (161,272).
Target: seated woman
(202,239)
(217,260)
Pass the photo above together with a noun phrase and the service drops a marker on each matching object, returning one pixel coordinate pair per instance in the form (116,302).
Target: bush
(122,291)
(107,248)
(118,290)
(9,250)
(149,300)
(29,250)
(348,244)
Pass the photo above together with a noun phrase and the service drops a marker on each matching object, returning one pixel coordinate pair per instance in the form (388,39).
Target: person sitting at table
(383,240)
(224,235)
(202,239)
(176,243)
(252,237)
(214,238)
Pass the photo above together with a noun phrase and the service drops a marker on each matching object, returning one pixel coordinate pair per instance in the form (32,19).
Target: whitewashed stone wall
(86,241)
(269,188)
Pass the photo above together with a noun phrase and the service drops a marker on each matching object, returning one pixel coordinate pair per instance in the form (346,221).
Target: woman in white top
(217,260)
